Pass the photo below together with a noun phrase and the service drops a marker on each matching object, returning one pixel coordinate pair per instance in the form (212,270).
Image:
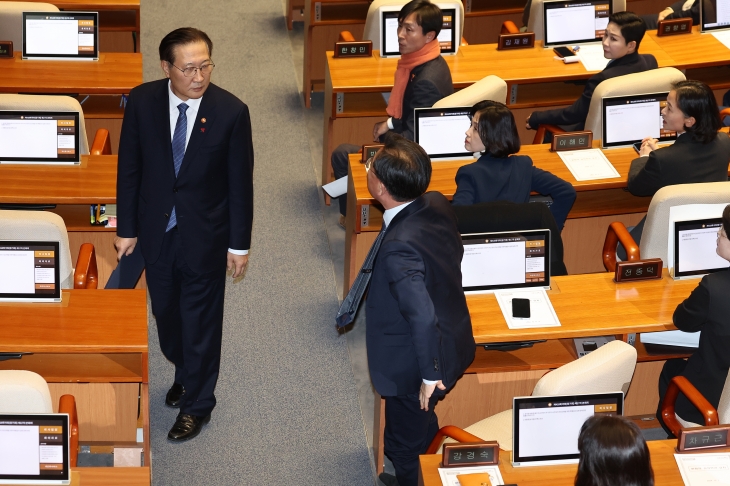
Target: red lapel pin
(202,130)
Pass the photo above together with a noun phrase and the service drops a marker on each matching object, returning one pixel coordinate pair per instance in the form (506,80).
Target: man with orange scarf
(421,79)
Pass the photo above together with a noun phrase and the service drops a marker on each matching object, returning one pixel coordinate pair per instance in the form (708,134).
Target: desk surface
(113,73)
(93,181)
(94,321)
(589,305)
(665,468)
(686,50)
(93,4)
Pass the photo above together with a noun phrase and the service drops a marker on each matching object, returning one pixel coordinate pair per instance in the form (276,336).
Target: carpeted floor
(287,401)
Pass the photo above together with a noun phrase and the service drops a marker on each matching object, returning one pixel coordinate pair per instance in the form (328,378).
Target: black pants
(188,307)
(340,160)
(684,408)
(408,433)
(635,233)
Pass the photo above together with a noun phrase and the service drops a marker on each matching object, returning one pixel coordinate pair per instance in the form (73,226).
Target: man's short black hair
(497,128)
(182,37)
(696,99)
(632,26)
(428,15)
(403,167)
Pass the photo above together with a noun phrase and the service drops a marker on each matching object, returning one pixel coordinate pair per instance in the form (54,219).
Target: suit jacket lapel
(162,121)
(206,111)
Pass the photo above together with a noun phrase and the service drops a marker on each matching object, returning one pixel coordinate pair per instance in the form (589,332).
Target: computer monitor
(441,132)
(39,137)
(61,35)
(695,243)
(569,22)
(714,15)
(545,429)
(30,271)
(508,260)
(389,30)
(34,449)
(629,119)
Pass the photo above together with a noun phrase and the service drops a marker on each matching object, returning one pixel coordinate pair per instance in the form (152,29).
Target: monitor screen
(30,271)
(630,119)
(389,31)
(34,449)
(546,429)
(575,21)
(39,137)
(509,260)
(695,244)
(441,132)
(714,14)
(59,35)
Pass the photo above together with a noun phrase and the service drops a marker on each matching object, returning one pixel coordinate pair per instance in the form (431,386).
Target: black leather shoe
(388,479)
(174,395)
(186,427)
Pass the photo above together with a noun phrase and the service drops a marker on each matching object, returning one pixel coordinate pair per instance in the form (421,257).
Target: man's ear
(430,36)
(631,46)
(165,68)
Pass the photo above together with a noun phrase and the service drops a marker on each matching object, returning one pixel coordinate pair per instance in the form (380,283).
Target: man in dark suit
(419,335)
(422,78)
(621,41)
(185,190)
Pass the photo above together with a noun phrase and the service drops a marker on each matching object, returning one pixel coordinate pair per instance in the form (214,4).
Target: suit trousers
(675,367)
(188,307)
(408,433)
(340,161)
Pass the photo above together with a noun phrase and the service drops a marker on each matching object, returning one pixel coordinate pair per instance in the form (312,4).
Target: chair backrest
(48,103)
(723,408)
(607,369)
(372,22)
(652,81)
(11,19)
(492,217)
(24,392)
(536,24)
(39,226)
(489,88)
(655,236)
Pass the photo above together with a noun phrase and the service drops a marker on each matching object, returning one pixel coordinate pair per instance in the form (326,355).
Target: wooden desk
(663,463)
(93,346)
(114,476)
(72,189)
(587,305)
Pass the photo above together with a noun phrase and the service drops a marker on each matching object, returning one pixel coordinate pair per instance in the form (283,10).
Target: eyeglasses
(369,163)
(191,71)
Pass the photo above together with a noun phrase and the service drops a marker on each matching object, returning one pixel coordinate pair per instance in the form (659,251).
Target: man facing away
(419,334)
(421,79)
(185,195)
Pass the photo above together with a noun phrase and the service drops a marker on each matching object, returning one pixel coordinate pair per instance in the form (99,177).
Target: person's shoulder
(723,139)
(521,160)
(225,97)
(150,88)
(434,67)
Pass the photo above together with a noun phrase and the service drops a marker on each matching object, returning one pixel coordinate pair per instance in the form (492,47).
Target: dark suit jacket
(511,179)
(213,193)
(684,162)
(693,12)
(429,82)
(494,217)
(707,310)
(575,115)
(418,325)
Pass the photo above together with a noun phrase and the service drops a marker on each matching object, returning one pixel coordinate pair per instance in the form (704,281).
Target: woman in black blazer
(498,175)
(707,309)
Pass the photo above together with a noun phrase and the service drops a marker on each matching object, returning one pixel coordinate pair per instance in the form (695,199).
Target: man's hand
(648,145)
(237,263)
(427,391)
(664,14)
(527,122)
(379,129)
(124,246)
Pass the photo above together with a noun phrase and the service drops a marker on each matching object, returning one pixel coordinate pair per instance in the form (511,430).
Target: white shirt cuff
(238,252)
(430,382)
(390,123)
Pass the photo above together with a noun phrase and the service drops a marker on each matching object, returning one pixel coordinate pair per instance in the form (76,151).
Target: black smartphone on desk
(637,147)
(563,52)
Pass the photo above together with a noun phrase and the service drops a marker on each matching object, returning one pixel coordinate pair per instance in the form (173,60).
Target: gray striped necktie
(178,151)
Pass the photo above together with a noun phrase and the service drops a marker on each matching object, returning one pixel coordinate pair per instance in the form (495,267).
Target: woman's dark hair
(726,220)
(632,26)
(403,167)
(696,99)
(428,15)
(182,37)
(613,452)
(497,128)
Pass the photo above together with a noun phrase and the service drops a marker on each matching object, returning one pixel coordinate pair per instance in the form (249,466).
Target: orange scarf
(406,63)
